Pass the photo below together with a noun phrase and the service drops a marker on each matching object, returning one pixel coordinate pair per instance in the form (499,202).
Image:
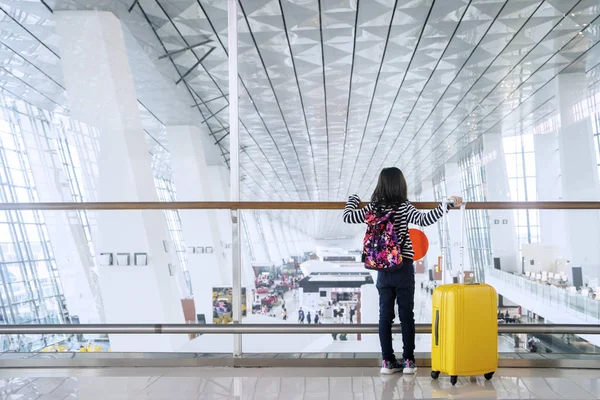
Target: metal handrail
(270,329)
(297,205)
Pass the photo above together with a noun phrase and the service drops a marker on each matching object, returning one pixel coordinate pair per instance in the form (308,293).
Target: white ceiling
(333,90)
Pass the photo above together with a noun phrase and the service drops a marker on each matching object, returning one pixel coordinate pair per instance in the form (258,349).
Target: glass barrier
(164,266)
(487,233)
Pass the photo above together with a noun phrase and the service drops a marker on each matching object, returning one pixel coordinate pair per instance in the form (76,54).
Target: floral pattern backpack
(381,251)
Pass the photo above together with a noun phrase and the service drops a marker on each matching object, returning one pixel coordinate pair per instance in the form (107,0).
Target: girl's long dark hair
(391,189)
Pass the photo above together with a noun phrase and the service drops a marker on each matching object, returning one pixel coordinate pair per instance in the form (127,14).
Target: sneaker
(410,367)
(390,367)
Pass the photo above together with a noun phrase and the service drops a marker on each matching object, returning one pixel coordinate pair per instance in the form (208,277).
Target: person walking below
(308,318)
(300,316)
(316,317)
(284,314)
(395,281)
(352,312)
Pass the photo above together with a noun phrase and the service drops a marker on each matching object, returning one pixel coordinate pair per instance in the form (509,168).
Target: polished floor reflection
(289,383)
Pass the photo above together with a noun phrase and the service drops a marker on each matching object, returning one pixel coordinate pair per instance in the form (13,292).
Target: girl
(397,285)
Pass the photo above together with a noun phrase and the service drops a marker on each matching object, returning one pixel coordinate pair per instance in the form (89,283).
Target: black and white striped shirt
(406,213)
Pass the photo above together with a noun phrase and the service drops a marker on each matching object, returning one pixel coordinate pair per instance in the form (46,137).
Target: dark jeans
(397,286)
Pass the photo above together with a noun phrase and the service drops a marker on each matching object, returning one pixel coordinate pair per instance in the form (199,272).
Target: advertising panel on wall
(223,304)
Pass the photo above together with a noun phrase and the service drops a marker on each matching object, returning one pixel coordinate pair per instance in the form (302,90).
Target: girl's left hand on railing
(456,201)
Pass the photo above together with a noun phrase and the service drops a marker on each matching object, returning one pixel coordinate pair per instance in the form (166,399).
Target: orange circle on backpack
(419,241)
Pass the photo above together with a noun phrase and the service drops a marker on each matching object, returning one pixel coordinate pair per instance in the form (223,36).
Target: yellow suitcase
(465,331)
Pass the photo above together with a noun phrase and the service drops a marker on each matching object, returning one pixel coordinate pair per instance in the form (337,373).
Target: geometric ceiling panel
(332,91)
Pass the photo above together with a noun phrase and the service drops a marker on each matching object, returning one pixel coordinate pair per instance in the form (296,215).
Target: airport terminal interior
(173,176)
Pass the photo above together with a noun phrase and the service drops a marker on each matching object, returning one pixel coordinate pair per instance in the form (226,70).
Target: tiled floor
(289,383)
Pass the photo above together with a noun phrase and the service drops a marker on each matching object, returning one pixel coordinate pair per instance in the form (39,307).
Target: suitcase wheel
(435,374)
(453,380)
(488,376)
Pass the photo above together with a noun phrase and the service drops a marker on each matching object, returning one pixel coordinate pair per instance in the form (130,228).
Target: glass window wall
(30,288)
(477,221)
(520,167)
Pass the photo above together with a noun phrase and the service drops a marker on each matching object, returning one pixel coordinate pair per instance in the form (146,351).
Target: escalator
(566,345)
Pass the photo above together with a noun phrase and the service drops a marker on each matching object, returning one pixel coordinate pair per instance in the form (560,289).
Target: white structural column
(502,227)
(454,188)
(548,185)
(284,225)
(290,233)
(266,223)
(297,234)
(278,239)
(283,239)
(101,93)
(308,242)
(579,173)
(258,241)
(289,238)
(294,233)
(206,263)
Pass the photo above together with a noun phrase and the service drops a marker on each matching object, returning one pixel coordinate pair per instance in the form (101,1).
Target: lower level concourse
(293,300)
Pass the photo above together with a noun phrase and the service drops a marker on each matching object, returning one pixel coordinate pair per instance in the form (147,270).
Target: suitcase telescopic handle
(461,273)
(445,204)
